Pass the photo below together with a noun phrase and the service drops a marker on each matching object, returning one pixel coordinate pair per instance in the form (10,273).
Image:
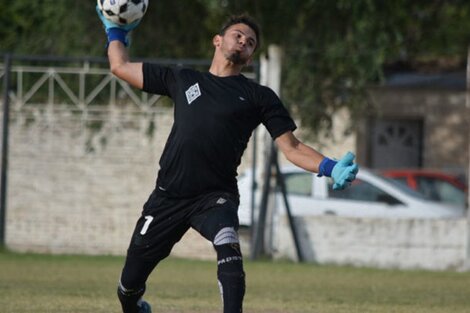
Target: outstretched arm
(298,153)
(343,171)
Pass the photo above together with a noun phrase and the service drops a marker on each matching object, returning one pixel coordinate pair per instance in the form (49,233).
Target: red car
(435,185)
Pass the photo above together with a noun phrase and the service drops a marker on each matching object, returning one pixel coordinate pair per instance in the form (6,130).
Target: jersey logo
(193,93)
(221,201)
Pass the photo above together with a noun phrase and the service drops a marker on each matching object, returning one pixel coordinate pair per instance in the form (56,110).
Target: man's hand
(344,172)
(115,31)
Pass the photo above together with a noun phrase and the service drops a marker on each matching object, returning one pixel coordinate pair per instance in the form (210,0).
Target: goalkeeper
(215,113)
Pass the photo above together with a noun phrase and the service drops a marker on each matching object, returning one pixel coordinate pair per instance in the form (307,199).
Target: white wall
(75,188)
(384,243)
(65,199)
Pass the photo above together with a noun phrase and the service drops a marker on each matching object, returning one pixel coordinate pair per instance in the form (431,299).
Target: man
(215,114)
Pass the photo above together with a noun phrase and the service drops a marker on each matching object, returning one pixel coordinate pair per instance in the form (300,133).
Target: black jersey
(214,118)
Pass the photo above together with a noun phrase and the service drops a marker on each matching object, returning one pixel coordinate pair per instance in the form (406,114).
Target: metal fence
(49,103)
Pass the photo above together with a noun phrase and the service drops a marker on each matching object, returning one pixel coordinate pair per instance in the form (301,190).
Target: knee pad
(130,292)
(226,235)
(227,246)
(129,298)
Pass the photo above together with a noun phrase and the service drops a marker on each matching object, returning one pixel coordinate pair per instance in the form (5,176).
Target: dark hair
(242,19)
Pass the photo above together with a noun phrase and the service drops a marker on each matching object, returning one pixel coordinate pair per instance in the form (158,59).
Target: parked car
(434,185)
(370,195)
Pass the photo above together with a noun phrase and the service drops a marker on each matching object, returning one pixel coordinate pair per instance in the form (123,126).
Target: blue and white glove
(343,171)
(115,31)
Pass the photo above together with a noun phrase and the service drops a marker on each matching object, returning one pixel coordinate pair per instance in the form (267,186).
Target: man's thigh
(218,211)
(162,224)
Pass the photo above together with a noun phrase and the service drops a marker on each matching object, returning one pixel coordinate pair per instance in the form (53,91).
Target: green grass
(77,284)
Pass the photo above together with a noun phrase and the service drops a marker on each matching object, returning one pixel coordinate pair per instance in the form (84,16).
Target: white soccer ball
(123,12)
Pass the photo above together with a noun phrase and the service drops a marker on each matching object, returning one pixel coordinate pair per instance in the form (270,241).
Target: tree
(48,27)
(70,27)
(174,29)
(335,49)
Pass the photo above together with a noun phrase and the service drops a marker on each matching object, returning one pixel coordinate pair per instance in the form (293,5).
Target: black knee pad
(229,258)
(230,265)
(129,298)
(227,246)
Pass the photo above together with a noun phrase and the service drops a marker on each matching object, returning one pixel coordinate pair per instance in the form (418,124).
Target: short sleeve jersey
(214,118)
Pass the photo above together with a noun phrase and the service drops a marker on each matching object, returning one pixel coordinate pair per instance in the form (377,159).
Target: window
(401,180)
(439,190)
(362,191)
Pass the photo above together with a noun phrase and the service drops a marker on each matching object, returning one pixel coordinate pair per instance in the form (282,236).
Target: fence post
(4,168)
(467,104)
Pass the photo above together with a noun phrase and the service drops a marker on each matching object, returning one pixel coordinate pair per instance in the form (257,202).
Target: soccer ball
(123,12)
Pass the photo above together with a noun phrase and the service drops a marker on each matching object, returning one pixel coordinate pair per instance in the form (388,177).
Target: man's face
(238,44)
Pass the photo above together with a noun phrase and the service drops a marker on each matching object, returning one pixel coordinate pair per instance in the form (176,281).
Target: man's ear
(217,40)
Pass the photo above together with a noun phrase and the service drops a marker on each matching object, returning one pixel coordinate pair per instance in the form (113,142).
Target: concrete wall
(77,183)
(384,243)
(77,180)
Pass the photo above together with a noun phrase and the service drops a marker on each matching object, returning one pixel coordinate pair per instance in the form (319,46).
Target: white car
(370,195)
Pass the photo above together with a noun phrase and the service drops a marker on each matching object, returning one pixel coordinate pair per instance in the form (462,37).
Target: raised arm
(120,66)
(119,63)
(343,171)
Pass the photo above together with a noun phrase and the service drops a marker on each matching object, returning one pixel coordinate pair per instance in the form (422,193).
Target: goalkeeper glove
(343,171)
(115,31)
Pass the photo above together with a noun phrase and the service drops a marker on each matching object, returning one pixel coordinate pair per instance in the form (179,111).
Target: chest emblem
(193,93)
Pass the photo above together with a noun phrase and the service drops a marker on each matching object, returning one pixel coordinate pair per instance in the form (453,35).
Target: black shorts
(165,220)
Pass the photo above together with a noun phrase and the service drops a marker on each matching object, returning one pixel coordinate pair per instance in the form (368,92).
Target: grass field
(77,284)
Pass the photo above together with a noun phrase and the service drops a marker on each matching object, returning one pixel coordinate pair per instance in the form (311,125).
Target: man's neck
(224,68)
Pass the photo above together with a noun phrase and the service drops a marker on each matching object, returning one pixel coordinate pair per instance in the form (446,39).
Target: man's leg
(230,273)
(219,224)
(154,236)
(132,283)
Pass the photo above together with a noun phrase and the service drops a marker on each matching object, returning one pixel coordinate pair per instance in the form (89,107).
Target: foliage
(70,27)
(333,49)
(48,27)
(174,29)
